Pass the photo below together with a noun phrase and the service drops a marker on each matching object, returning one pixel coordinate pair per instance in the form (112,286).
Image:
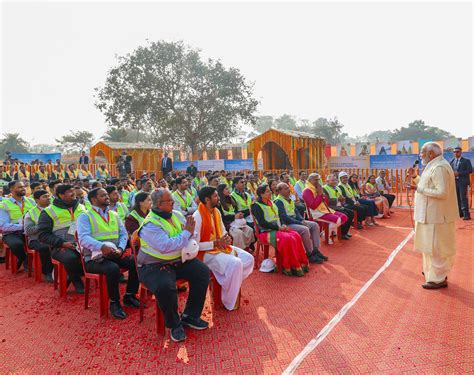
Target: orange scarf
(207,229)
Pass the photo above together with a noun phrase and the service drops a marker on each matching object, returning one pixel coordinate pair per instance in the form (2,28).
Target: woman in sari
(372,192)
(242,235)
(286,241)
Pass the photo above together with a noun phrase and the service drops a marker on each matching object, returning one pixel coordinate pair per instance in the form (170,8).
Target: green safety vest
(62,216)
(14,210)
(292,180)
(125,196)
(34,214)
(242,204)
(32,201)
(171,230)
(301,184)
(332,192)
(183,203)
(230,212)
(137,217)
(348,189)
(193,192)
(289,206)
(122,210)
(102,230)
(198,182)
(270,214)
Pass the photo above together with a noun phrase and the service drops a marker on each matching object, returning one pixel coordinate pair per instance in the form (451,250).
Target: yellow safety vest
(289,206)
(183,203)
(242,204)
(16,212)
(102,230)
(62,217)
(269,212)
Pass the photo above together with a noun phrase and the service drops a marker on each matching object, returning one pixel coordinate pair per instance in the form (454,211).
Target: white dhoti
(242,237)
(230,270)
(437,243)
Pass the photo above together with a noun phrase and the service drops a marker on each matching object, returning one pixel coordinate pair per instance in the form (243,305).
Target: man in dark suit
(84,159)
(166,164)
(462,169)
(192,170)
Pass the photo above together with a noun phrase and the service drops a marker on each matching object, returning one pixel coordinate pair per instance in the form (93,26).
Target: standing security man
(462,169)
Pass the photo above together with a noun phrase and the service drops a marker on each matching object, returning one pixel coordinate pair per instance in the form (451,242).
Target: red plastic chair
(34,262)
(10,259)
(265,247)
(60,277)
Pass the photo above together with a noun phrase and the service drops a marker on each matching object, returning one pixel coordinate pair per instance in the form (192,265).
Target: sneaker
(130,300)
(330,241)
(195,323)
(117,311)
(177,334)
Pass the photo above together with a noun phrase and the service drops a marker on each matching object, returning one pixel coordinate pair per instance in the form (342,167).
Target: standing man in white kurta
(229,264)
(436,211)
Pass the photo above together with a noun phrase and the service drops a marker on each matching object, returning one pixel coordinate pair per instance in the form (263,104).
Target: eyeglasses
(166,200)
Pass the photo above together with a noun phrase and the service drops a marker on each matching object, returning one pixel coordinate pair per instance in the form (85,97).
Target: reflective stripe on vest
(170,230)
(62,216)
(348,189)
(242,204)
(125,197)
(269,212)
(14,210)
(183,203)
(121,210)
(289,206)
(332,192)
(102,230)
(230,212)
(34,214)
(301,184)
(137,217)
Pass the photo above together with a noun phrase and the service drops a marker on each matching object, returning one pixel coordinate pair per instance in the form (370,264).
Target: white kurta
(229,269)
(435,215)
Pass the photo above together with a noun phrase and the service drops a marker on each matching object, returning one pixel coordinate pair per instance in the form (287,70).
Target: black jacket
(168,167)
(46,224)
(464,170)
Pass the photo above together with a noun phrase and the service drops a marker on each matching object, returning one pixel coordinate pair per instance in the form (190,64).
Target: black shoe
(321,255)
(23,263)
(349,235)
(466,218)
(48,277)
(177,334)
(314,258)
(195,323)
(130,300)
(360,226)
(2,260)
(122,279)
(78,285)
(117,311)
(345,237)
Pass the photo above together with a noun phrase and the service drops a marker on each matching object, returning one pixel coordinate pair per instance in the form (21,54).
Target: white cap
(343,174)
(190,251)
(267,265)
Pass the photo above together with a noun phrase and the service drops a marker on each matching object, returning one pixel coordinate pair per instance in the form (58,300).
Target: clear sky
(374,65)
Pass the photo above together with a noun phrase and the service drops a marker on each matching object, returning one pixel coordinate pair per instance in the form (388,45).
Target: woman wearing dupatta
(283,239)
(372,192)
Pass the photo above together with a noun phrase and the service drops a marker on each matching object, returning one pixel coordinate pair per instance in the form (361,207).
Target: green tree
(76,141)
(12,142)
(330,129)
(168,92)
(379,135)
(419,130)
(114,134)
(263,123)
(287,122)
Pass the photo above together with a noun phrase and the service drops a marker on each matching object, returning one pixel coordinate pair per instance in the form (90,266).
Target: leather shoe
(195,323)
(432,285)
(177,334)
(466,218)
(78,285)
(117,311)
(130,300)
(48,277)
(314,258)
(321,255)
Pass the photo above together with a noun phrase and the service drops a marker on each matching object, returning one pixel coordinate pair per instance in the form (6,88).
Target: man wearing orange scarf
(229,264)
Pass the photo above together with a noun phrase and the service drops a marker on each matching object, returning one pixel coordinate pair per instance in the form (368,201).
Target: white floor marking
(343,311)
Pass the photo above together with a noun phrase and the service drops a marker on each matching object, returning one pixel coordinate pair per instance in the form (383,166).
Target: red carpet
(395,327)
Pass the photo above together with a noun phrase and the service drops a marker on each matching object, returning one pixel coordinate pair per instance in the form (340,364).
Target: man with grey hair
(162,237)
(435,215)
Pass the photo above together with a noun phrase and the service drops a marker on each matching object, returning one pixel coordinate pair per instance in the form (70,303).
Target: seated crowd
(91,225)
